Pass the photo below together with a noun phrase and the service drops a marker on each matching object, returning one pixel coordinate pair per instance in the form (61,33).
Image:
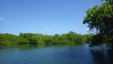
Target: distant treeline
(70,38)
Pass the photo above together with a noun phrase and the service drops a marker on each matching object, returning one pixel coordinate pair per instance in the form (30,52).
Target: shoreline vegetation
(100,19)
(30,39)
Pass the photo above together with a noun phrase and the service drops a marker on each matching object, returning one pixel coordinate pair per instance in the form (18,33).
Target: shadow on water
(101,55)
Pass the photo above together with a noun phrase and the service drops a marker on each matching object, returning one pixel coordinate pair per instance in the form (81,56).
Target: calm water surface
(56,55)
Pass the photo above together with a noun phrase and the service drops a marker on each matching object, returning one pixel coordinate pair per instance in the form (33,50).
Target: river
(57,55)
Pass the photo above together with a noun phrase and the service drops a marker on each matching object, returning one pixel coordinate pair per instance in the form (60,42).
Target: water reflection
(110,56)
(102,55)
(57,55)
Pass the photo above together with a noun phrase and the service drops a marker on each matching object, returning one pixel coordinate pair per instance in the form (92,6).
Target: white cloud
(1,18)
(48,29)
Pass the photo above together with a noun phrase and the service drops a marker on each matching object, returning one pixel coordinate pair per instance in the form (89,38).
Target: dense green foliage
(100,19)
(70,38)
(107,0)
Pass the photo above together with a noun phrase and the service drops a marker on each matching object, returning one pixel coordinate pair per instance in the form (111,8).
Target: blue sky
(44,16)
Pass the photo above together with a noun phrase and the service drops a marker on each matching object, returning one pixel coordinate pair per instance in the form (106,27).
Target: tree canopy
(100,18)
(70,38)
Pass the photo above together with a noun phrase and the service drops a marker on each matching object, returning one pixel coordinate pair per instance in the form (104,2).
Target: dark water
(57,55)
